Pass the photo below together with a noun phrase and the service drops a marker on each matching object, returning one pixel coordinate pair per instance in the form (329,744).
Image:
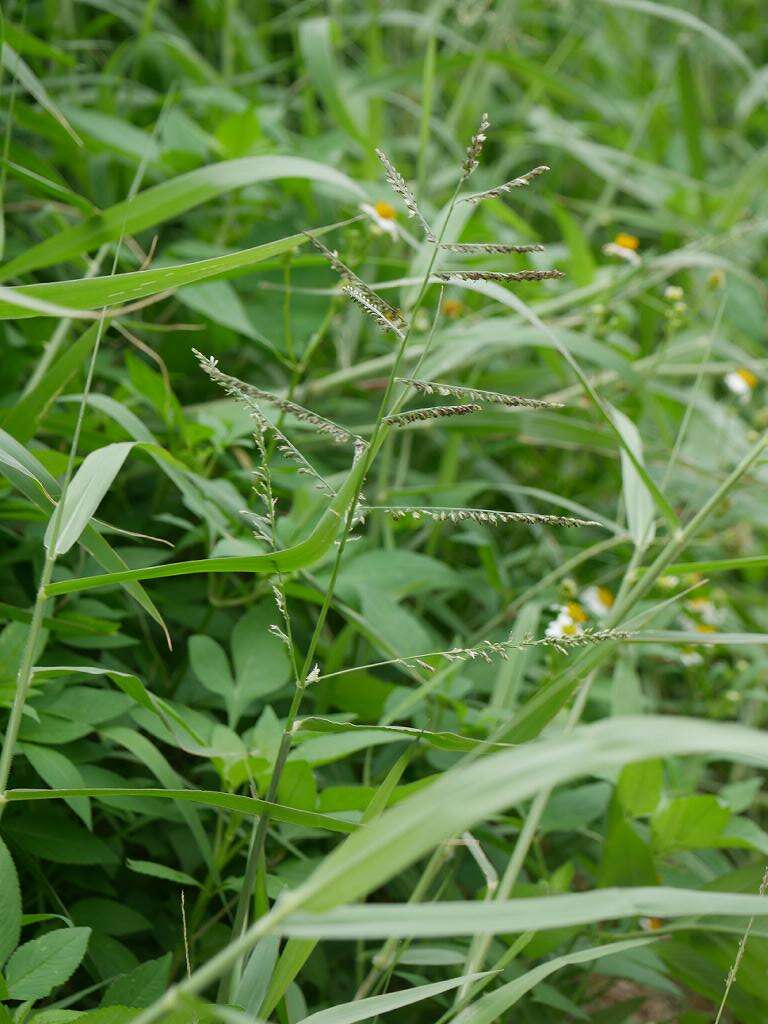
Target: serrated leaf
(37,967)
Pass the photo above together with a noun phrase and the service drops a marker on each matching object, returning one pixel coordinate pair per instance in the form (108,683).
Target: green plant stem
(378,436)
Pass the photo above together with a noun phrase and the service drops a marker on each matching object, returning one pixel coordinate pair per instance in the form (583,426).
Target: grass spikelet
(487,248)
(400,187)
(287,449)
(508,186)
(402,419)
(430,387)
(247,392)
(362,298)
(475,148)
(488,517)
(357,289)
(496,275)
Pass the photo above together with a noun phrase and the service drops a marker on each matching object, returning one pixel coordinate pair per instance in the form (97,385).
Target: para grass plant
(383,623)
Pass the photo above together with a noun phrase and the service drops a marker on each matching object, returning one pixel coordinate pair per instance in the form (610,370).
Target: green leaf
(639,787)
(441,740)
(23,418)
(260,658)
(364,1009)
(638,499)
(10,904)
(248,805)
(141,986)
(256,974)
(148,867)
(689,823)
(170,199)
(300,555)
(19,68)
(326,75)
(211,665)
(92,294)
(58,772)
(37,967)
(535,913)
(84,494)
(492,1006)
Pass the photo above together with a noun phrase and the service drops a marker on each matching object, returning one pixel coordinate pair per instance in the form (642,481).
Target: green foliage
(382,594)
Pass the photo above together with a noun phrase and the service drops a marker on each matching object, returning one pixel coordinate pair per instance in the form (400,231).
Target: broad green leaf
(639,787)
(24,471)
(690,822)
(130,685)
(84,494)
(364,1009)
(538,913)
(10,904)
(260,658)
(472,793)
(211,665)
(170,199)
(91,294)
(248,805)
(494,1005)
(141,986)
(37,967)
(59,772)
(300,555)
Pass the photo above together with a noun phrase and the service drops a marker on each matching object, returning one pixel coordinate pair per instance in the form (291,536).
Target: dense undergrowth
(398,646)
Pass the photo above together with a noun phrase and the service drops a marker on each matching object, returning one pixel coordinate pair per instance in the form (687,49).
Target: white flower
(383,217)
(567,622)
(706,611)
(598,601)
(741,383)
(622,252)
(691,658)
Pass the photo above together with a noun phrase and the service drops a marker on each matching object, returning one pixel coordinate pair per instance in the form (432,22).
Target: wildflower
(651,924)
(624,247)
(383,217)
(705,610)
(673,293)
(576,611)
(453,308)
(567,622)
(741,383)
(691,658)
(598,600)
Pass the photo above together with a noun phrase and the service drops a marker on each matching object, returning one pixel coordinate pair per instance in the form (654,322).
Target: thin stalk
(34,634)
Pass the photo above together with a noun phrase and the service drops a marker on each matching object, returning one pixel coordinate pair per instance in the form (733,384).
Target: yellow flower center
(748,377)
(452,307)
(570,629)
(576,612)
(627,241)
(654,924)
(605,596)
(703,627)
(385,210)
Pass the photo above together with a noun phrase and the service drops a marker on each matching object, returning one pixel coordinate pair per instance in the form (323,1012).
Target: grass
(382,616)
